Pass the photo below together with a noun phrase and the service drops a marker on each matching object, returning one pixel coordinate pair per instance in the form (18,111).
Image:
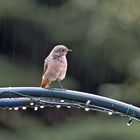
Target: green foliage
(13,74)
(76,129)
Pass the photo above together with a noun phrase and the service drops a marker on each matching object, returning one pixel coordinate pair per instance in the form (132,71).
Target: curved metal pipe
(75,96)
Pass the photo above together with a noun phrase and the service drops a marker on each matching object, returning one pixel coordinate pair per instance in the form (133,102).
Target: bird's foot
(60,89)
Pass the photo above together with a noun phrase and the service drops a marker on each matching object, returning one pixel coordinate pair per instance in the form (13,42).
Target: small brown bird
(55,66)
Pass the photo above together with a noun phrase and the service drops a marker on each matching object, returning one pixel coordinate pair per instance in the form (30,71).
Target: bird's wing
(46,62)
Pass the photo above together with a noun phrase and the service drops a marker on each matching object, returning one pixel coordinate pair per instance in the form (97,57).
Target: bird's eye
(63,50)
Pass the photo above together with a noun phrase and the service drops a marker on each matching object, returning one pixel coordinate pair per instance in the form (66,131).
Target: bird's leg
(60,84)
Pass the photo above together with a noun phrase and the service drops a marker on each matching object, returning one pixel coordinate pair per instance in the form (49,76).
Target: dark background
(105,39)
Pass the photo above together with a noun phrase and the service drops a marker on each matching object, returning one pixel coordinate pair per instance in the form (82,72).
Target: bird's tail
(45,83)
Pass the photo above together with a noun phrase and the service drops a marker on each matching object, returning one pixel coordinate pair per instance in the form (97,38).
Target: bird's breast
(56,68)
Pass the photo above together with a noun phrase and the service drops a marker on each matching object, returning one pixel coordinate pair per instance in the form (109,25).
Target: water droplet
(129,122)
(62,101)
(58,106)
(86,109)
(24,107)
(42,106)
(68,106)
(10,108)
(110,113)
(16,108)
(31,103)
(35,108)
(88,102)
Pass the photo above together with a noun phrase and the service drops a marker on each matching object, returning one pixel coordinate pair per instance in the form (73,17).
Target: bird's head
(60,50)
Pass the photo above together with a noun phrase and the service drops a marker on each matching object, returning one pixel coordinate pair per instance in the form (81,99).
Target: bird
(55,66)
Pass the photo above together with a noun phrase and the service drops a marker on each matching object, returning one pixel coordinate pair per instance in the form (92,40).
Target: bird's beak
(69,50)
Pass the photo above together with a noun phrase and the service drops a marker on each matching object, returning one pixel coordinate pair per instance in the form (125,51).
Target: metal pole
(75,96)
(16,102)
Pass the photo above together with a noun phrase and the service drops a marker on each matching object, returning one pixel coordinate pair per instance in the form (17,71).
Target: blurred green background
(105,38)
